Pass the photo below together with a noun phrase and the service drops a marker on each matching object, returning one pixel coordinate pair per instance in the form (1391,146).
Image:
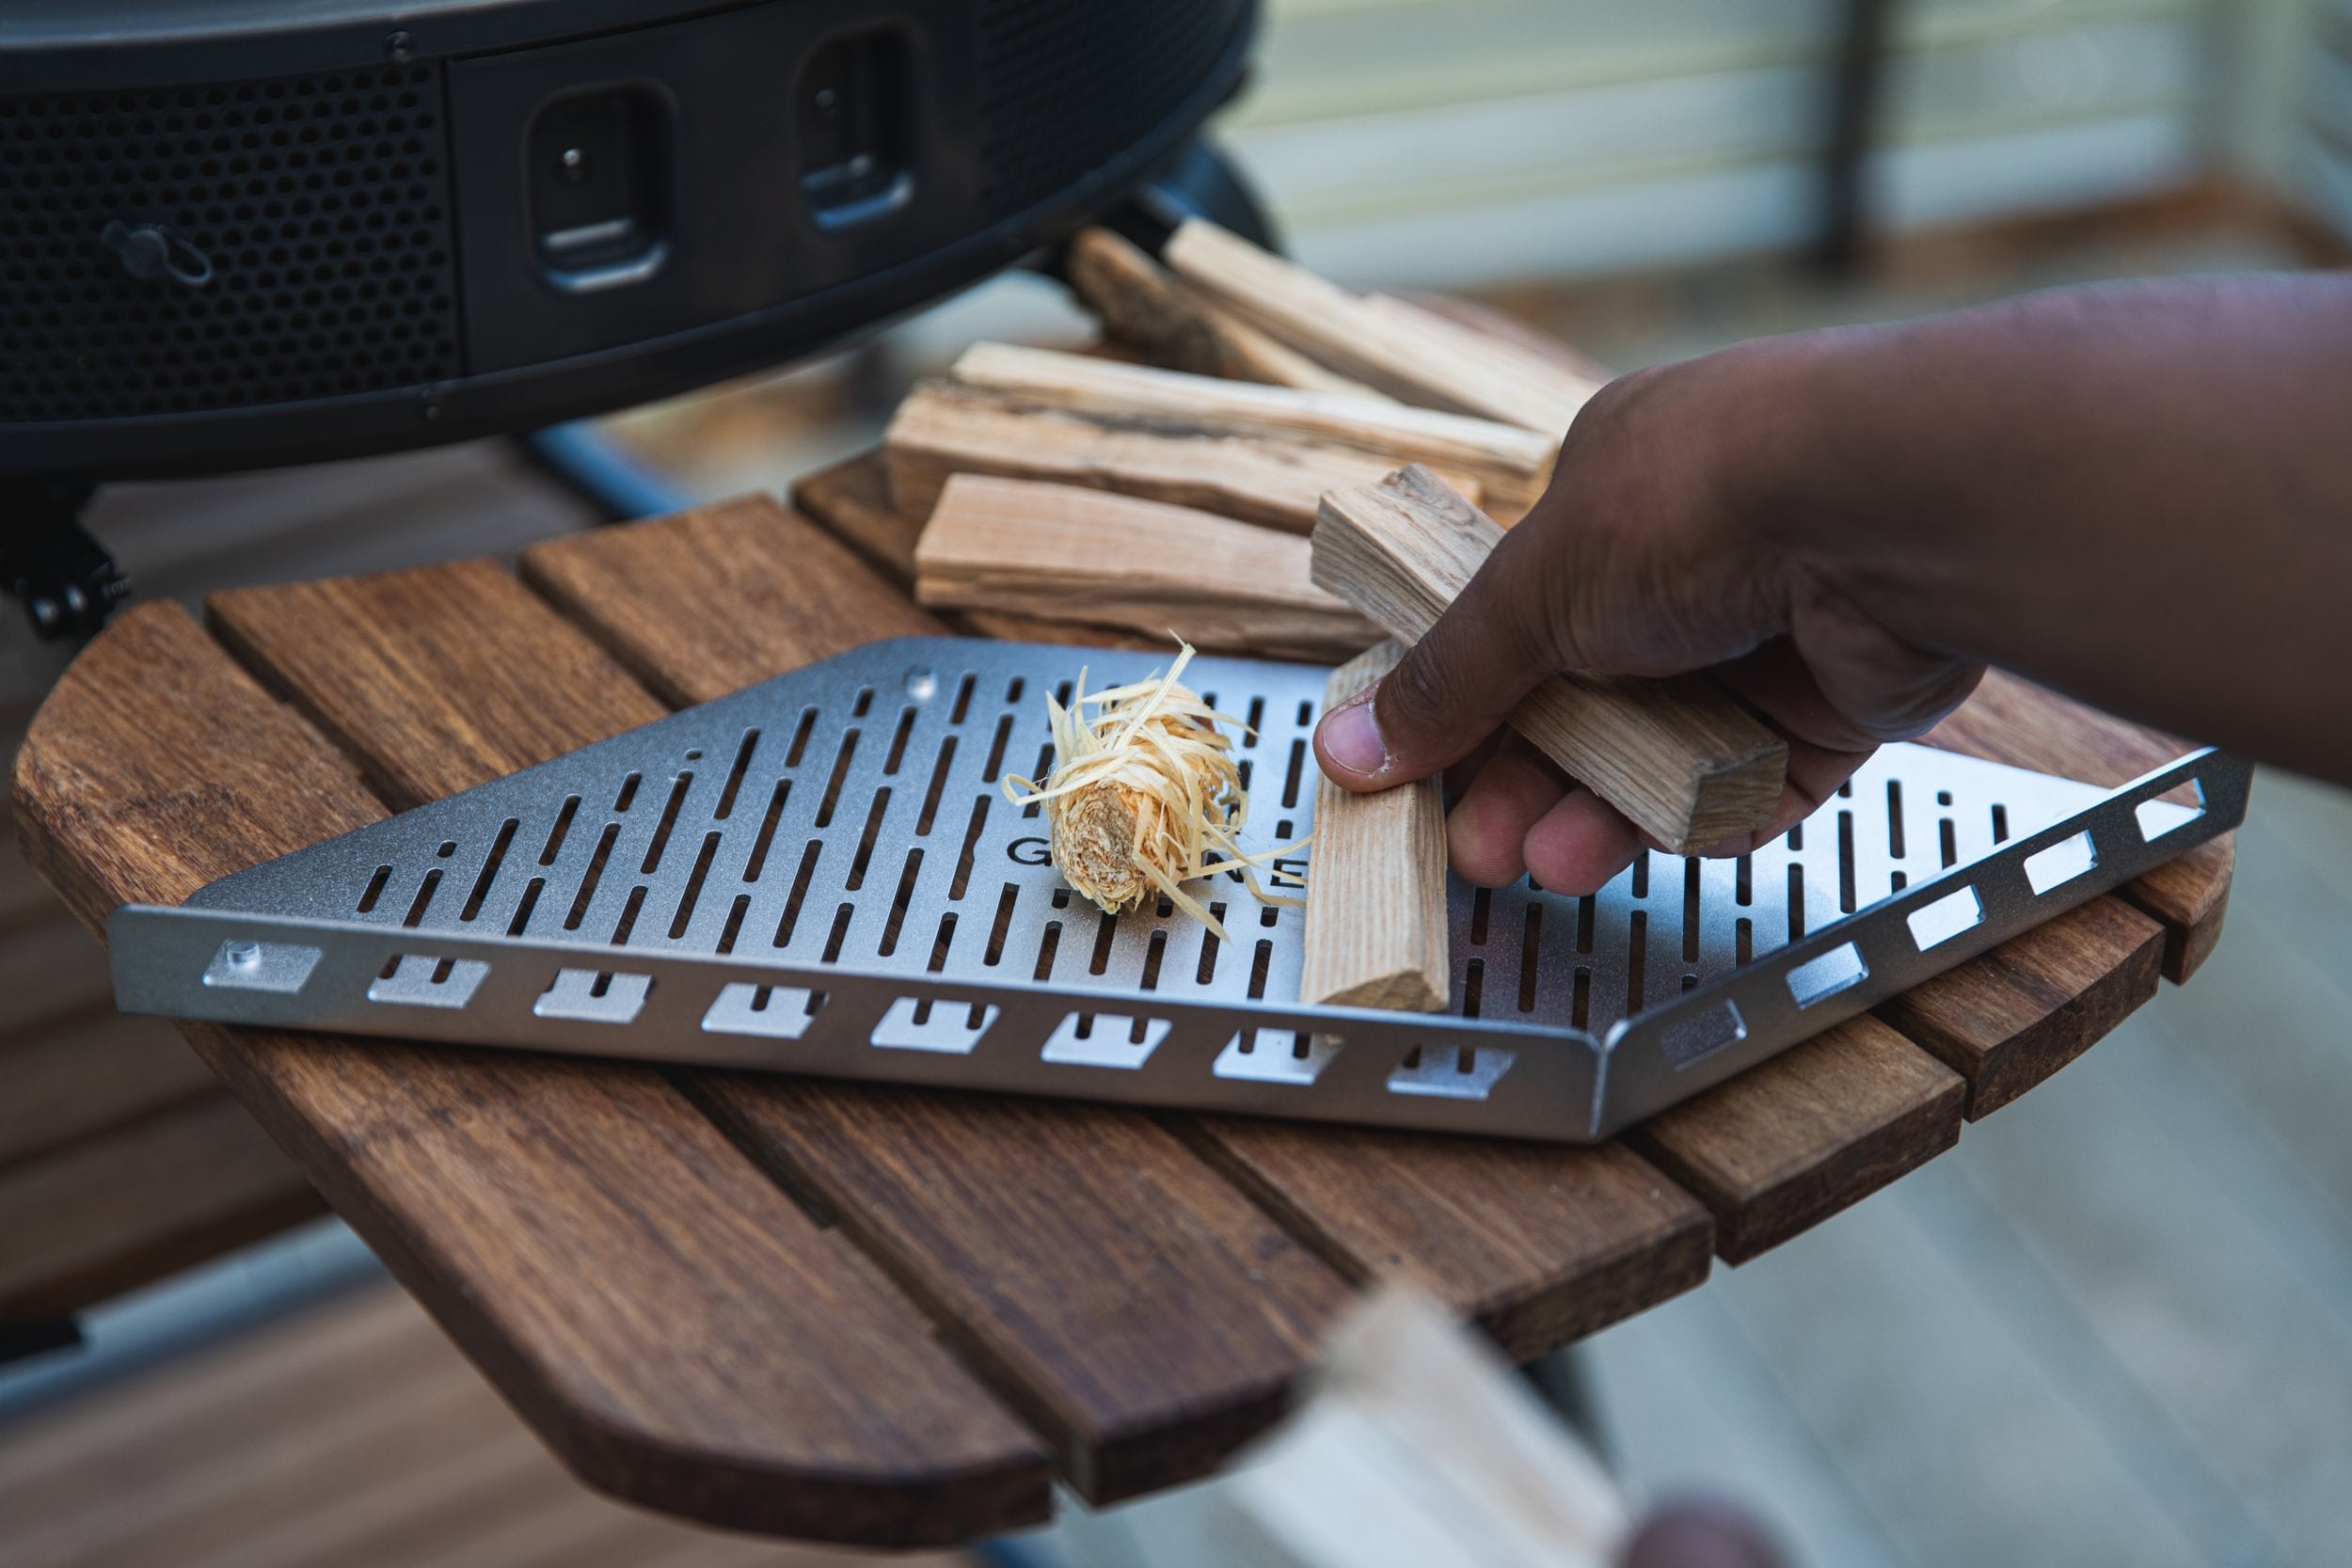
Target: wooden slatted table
(892,1315)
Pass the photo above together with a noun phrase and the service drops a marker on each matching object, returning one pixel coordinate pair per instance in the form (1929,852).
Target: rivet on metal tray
(921,685)
(243,954)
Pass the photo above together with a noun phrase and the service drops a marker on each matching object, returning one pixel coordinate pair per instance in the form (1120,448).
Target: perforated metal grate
(819,873)
(319,205)
(1064,83)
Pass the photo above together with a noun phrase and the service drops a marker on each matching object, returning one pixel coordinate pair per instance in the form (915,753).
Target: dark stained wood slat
(2011,720)
(762,589)
(2009,1019)
(675,1328)
(1538,1244)
(77,1078)
(122,1208)
(969,1200)
(1781,1148)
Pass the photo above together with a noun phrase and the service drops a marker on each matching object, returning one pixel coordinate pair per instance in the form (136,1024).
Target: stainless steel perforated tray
(818,874)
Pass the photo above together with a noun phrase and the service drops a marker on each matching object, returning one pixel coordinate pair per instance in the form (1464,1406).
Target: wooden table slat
(989,1213)
(679,1330)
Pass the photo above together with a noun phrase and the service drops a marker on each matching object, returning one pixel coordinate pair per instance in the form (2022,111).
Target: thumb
(1453,688)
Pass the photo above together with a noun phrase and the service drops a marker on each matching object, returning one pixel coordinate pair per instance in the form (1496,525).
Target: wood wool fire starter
(1144,793)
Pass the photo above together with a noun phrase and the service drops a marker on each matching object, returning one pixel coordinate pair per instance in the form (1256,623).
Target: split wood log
(1389,343)
(1178,328)
(945,429)
(1512,463)
(1376,933)
(1083,555)
(1687,765)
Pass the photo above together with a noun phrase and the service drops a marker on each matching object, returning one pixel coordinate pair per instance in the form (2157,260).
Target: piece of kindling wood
(1512,463)
(944,429)
(1178,328)
(1389,343)
(1684,762)
(1375,929)
(1058,551)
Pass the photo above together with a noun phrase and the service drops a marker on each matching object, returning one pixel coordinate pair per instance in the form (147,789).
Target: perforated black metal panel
(1065,82)
(318,205)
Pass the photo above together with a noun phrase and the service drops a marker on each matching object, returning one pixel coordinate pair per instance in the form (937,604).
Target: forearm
(2140,493)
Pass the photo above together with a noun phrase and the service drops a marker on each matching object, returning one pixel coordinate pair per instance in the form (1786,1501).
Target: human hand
(1665,544)
(1699,1534)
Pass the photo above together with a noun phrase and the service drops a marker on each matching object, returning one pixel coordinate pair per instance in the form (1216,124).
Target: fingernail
(1351,737)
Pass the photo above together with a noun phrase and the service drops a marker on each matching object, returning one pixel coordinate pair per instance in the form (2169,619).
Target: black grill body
(233,235)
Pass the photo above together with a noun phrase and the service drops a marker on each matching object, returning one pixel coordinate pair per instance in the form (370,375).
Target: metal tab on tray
(820,873)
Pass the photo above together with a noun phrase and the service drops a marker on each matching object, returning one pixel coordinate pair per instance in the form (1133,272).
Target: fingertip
(1579,844)
(1349,748)
(1487,831)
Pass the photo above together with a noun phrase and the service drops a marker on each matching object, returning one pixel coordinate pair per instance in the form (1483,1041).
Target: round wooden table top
(892,1315)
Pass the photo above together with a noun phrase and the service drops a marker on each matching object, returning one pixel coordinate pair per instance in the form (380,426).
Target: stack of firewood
(1264,462)
(1084,497)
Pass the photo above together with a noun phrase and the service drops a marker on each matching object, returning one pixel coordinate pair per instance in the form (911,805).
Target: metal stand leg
(66,580)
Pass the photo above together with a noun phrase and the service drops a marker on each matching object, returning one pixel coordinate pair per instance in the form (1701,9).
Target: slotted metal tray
(819,873)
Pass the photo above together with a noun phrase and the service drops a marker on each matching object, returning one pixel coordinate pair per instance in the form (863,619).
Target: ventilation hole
(995,952)
(1796,837)
(1587,910)
(938,787)
(1531,955)
(1473,987)
(1206,971)
(1106,929)
(866,838)
(791,916)
(1690,911)
(1046,948)
(834,938)
(627,796)
(840,772)
(1845,862)
(1581,999)
(1947,842)
(971,842)
(1261,963)
(685,916)
(1742,940)
(792,754)
(1152,953)
(865,703)
(963,699)
(898,902)
(1482,905)
(375,889)
(2000,824)
(670,808)
(1796,902)
(635,902)
(942,941)
(594,874)
(1641,875)
(1743,881)
(1895,819)
(996,749)
(767,829)
(898,742)
(725,807)
(734,926)
(529,902)
(423,900)
(489,870)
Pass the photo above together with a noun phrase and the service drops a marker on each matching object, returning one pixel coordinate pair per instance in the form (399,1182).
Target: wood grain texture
(1375,919)
(1176,326)
(1389,343)
(2012,1017)
(964,1199)
(1058,551)
(1680,758)
(1512,463)
(120,1208)
(1787,1144)
(851,501)
(792,590)
(944,429)
(536,1206)
(2011,720)
(1539,1245)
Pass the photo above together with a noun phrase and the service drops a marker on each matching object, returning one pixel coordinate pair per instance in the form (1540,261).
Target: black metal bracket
(65,578)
